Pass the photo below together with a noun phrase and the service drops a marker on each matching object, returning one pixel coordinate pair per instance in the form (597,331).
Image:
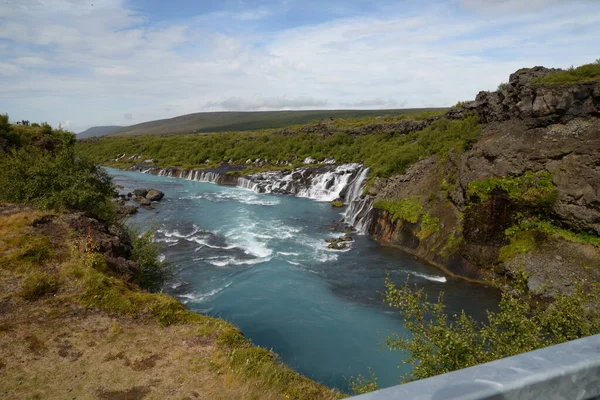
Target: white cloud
(98,64)
(31,61)
(261,103)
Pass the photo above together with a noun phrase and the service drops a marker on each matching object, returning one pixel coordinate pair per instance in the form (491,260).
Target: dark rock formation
(140,192)
(537,105)
(154,195)
(529,128)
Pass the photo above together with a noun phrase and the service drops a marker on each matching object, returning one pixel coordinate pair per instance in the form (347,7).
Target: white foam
(433,278)
(233,261)
(285,253)
(203,296)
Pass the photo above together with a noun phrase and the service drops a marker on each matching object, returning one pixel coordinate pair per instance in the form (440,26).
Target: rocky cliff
(523,201)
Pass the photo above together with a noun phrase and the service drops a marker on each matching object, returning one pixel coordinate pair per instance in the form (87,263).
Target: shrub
(54,178)
(440,343)
(153,273)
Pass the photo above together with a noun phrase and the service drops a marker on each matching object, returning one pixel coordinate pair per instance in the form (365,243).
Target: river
(261,262)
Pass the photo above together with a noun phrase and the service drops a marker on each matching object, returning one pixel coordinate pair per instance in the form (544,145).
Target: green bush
(441,343)
(41,167)
(153,273)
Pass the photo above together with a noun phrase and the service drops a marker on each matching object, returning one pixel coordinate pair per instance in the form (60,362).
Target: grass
(385,153)
(584,73)
(411,210)
(83,322)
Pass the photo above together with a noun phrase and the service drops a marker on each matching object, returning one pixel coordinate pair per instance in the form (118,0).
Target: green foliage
(385,153)
(521,242)
(361,384)
(38,284)
(584,73)
(153,273)
(409,209)
(532,188)
(502,87)
(440,343)
(429,226)
(42,167)
(550,229)
(337,203)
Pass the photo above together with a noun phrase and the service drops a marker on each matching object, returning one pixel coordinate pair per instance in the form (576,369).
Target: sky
(121,62)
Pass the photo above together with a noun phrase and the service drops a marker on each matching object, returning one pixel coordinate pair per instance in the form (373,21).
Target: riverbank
(69,319)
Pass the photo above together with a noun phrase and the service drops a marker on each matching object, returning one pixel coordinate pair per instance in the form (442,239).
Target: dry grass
(91,336)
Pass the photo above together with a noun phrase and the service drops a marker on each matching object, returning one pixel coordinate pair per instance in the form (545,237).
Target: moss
(452,245)
(409,209)
(37,285)
(532,188)
(429,226)
(521,242)
(337,203)
(549,228)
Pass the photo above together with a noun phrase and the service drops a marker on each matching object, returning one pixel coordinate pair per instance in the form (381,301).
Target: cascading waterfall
(359,213)
(345,181)
(328,186)
(247,184)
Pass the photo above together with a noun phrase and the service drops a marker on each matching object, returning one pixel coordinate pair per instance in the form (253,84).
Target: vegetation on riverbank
(385,153)
(441,343)
(71,310)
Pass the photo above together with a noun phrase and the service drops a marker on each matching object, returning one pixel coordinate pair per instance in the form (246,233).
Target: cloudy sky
(121,62)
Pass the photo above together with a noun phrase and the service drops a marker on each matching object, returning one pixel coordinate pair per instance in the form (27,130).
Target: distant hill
(97,131)
(247,121)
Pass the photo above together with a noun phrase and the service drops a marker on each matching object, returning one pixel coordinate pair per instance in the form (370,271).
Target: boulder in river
(140,192)
(337,246)
(154,195)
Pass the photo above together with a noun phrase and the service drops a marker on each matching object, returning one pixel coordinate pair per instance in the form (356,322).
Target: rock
(155,195)
(347,238)
(140,192)
(145,203)
(128,210)
(337,203)
(129,195)
(337,246)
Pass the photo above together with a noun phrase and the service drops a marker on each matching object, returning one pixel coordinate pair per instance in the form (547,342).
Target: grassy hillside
(98,131)
(383,151)
(247,121)
(71,328)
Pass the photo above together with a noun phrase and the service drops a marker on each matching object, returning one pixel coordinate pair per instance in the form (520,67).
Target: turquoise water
(261,262)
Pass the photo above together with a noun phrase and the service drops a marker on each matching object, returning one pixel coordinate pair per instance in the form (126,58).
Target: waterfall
(356,186)
(247,184)
(359,213)
(329,185)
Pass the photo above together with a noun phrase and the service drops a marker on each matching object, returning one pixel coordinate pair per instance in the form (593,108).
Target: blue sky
(120,62)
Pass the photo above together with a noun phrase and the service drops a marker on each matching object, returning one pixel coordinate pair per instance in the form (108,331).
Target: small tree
(441,343)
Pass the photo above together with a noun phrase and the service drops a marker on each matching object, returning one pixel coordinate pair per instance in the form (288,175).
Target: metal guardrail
(566,371)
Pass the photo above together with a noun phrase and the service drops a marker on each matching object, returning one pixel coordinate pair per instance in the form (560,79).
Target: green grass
(584,73)
(385,153)
(38,284)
